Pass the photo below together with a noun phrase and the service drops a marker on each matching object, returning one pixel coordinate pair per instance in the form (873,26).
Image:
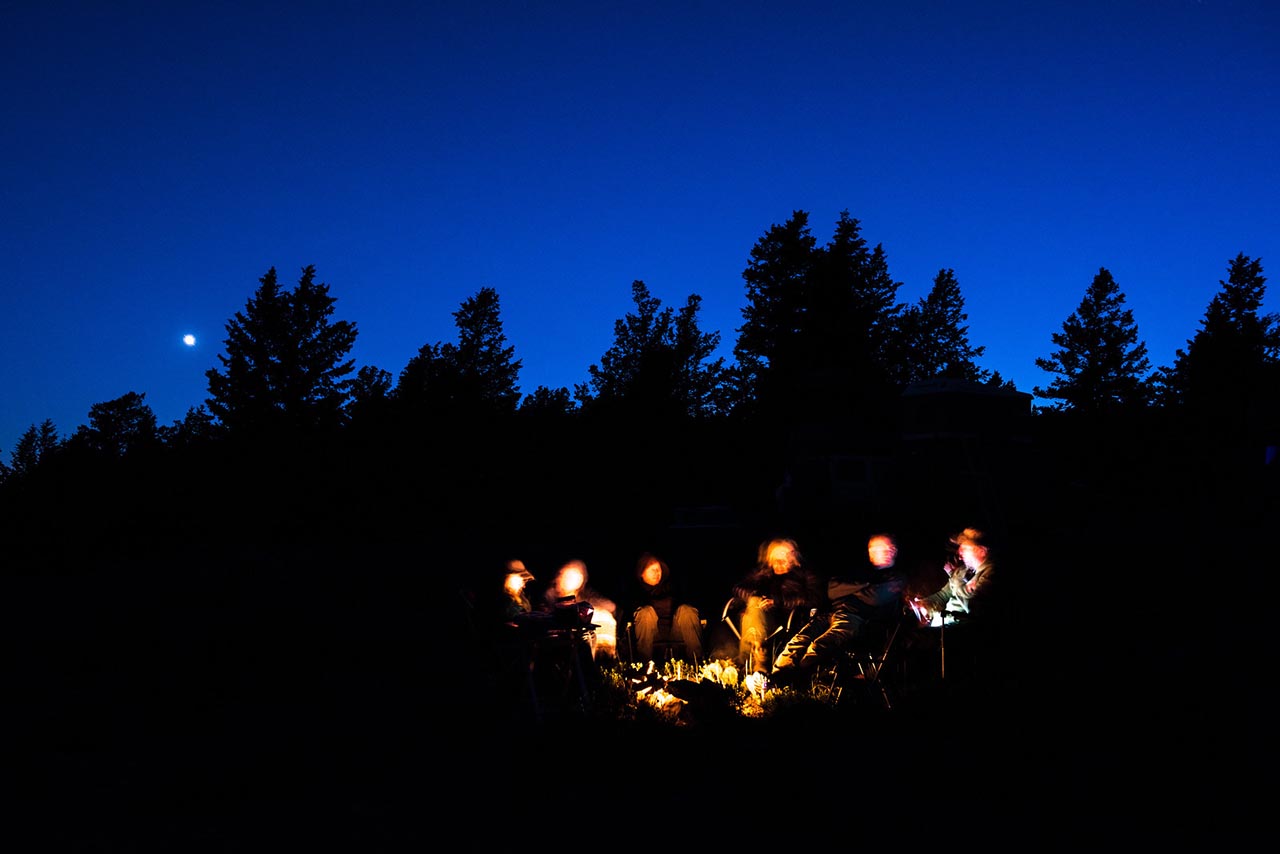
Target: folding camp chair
(861,666)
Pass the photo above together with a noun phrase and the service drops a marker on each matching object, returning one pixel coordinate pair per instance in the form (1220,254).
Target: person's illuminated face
(514,583)
(781,557)
(882,552)
(571,579)
(652,573)
(972,554)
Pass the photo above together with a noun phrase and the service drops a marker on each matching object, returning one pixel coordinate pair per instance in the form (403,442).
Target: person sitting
(659,615)
(569,587)
(779,583)
(516,602)
(870,591)
(968,584)
(969,601)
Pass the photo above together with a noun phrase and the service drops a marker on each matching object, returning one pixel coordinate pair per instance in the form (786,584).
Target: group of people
(832,612)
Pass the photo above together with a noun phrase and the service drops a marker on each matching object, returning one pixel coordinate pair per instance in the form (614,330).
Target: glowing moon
(189,340)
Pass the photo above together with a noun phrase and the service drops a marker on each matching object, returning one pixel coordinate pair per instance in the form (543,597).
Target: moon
(189,340)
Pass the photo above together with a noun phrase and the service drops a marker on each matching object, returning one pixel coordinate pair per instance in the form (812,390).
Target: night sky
(157,158)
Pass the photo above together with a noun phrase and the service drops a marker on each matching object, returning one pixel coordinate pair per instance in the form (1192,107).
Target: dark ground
(302,706)
(322,698)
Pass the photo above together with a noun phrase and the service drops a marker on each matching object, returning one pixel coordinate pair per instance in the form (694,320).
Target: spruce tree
(657,365)
(769,343)
(1101,364)
(1229,369)
(286,361)
(474,378)
(936,336)
(36,445)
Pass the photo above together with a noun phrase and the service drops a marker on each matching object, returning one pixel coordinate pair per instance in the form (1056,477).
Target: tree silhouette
(36,445)
(285,360)
(474,378)
(936,336)
(657,363)
(486,369)
(548,402)
(851,319)
(1101,364)
(1228,370)
(370,395)
(818,337)
(195,428)
(768,347)
(118,427)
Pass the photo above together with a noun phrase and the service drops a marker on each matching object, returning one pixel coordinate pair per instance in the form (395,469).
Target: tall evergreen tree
(658,363)
(818,338)
(851,317)
(476,377)
(1101,364)
(486,366)
(1230,369)
(119,427)
(36,445)
(286,361)
(936,336)
(769,343)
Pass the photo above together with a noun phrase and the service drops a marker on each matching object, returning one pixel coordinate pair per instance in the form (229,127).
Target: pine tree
(817,340)
(285,363)
(851,317)
(476,377)
(769,344)
(657,365)
(1229,369)
(936,335)
(486,368)
(36,445)
(1101,364)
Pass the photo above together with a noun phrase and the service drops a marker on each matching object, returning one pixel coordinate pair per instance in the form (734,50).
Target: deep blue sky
(157,158)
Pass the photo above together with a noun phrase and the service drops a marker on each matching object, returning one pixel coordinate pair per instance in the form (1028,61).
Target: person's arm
(973,588)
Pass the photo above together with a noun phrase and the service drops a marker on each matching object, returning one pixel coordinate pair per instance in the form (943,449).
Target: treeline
(294,438)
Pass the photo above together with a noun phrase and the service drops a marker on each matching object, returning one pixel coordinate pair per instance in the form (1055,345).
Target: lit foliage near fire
(680,694)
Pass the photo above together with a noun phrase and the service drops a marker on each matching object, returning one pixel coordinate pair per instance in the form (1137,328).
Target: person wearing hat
(965,583)
(513,585)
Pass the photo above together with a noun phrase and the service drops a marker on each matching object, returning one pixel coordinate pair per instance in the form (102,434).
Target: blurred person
(660,614)
(968,583)
(967,601)
(779,583)
(568,587)
(872,590)
(515,583)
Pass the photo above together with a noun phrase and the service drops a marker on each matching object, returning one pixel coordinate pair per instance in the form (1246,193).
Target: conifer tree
(936,335)
(1229,369)
(476,377)
(1101,364)
(36,445)
(658,363)
(286,361)
(769,343)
